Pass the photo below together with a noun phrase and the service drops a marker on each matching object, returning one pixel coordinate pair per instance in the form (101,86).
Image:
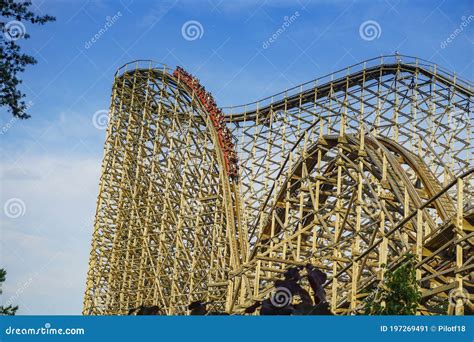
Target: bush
(398,294)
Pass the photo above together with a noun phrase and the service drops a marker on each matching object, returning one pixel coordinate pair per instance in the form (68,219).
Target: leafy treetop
(13,61)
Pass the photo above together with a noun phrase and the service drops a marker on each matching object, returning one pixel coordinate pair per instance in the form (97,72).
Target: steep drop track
(348,172)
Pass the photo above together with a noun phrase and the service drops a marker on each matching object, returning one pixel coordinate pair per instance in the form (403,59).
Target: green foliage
(398,295)
(7,310)
(14,15)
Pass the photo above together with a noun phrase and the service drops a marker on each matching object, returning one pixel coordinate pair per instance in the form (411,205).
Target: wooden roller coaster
(348,172)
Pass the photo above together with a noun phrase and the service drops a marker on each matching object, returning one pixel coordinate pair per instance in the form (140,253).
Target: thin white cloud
(47,248)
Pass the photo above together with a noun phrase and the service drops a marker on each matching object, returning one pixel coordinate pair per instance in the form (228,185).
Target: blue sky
(50,164)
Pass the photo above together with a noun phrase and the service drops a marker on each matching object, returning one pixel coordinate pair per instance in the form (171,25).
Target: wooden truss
(349,172)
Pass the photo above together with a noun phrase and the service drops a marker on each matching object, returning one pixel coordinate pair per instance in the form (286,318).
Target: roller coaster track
(348,172)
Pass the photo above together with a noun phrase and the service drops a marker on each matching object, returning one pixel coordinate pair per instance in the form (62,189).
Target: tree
(399,294)
(13,62)
(8,310)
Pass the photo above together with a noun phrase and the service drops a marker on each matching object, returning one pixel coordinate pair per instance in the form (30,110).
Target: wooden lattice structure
(348,172)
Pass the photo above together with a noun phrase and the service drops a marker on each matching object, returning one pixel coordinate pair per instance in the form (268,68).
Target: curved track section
(349,172)
(339,202)
(165,202)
